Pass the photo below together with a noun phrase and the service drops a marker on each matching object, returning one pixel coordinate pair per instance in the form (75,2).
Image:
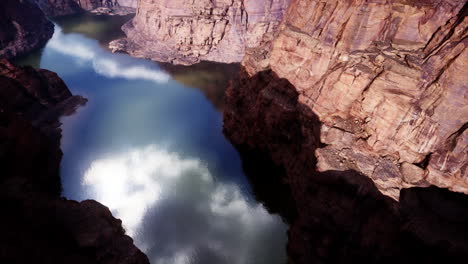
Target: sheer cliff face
(186,31)
(128,3)
(23,27)
(386,81)
(93,4)
(53,8)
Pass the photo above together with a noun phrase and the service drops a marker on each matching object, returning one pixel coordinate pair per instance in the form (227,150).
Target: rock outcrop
(386,81)
(23,27)
(54,8)
(39,226)
(186,31)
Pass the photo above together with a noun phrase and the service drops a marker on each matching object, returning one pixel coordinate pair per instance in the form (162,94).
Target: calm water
(149,145)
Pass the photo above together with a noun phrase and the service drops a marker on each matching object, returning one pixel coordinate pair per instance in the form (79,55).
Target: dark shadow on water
(209,77)
(268,183)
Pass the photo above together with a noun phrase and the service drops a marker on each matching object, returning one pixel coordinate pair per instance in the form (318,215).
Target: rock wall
(186,31)
(54,8)
(387,82)
(40,226)
(361,106)
(23,27)
(128,3)
(93,4)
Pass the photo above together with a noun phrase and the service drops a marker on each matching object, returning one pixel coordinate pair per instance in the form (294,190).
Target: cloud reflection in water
(179,214)
(85,49)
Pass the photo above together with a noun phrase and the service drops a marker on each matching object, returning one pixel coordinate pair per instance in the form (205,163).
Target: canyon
(24,27)
(354,111)
(50,228)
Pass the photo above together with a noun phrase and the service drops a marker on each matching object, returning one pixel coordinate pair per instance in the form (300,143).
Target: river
(149,145)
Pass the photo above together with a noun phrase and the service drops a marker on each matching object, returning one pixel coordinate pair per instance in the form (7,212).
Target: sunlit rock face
(358,101)
(23,27)
(185,32)
(386,81)
(154,192)
(54,8)
(128,3)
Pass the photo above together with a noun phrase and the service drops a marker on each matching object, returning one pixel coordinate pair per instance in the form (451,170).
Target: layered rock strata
(386,81)
(40,226)
(185,31)
(54,8)
(23,27)
(362,105)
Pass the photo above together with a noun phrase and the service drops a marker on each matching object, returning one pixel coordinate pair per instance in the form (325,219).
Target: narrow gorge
(346,127)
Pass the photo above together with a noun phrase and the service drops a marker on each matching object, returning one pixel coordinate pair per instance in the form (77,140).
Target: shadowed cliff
(39,225)
(335,216)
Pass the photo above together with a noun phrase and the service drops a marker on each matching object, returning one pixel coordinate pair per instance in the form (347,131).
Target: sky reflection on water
(152,150)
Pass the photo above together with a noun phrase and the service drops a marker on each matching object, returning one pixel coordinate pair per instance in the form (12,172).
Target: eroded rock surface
(39,226)
(54,8)
(387,81)
(362,105)
(335,216)
(186,31)
(23,27)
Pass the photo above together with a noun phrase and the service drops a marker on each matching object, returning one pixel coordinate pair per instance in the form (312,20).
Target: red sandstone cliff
(387,82)
(361,105)
(186,31)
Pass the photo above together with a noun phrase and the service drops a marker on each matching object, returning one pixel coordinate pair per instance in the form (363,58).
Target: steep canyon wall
(186,31)
(386,81)
(363,105)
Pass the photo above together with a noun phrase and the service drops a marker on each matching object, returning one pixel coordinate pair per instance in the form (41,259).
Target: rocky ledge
(39,225)
(185,32)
